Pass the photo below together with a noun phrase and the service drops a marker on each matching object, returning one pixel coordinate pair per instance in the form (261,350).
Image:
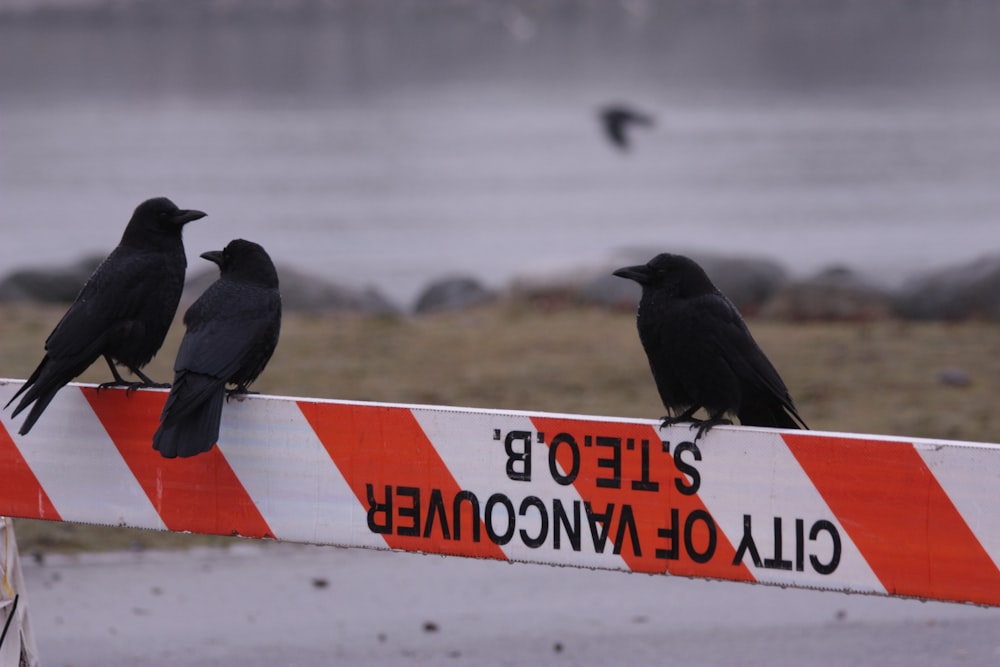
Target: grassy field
(881,377)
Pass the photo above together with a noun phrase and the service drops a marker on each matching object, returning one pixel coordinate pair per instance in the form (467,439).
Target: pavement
(271,604)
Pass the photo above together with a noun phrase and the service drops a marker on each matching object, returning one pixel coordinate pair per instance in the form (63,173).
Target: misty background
(391,143)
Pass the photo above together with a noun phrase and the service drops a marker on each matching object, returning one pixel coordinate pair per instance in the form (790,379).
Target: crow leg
(686,416)
(239,392)
(147,382)
(705,425)
(119,381)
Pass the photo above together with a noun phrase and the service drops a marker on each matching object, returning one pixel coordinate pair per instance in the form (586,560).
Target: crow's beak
(639,273)
(184,216)
(213,256)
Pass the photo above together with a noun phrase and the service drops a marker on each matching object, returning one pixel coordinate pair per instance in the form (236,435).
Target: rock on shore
(303,292)
(48,284)
(962,291)
(758,287)
(837,294)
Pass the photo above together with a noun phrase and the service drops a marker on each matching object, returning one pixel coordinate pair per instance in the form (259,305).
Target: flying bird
(232,330)
(618,121)
(701,353)
(123,311)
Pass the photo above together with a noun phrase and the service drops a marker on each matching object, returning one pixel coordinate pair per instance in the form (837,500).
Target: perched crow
(701,353)
(123,311)
(232,330)
(618,120)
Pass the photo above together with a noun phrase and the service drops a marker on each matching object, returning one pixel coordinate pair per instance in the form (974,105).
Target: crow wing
(111,303)
(225,327)
(736,345)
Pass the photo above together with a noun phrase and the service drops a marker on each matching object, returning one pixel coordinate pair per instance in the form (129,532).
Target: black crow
(618,120)
(232,330)
(700,350)
(123,311)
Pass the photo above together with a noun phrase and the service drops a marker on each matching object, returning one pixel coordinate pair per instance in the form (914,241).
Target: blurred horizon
(318,47)
(390,143)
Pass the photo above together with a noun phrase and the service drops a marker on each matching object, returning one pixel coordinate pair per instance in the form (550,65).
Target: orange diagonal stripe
(200,494)
(384,447)
(21,494)
(900,518)
(653,510)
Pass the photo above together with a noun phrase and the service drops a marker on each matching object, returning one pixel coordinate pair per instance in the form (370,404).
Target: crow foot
(703,425)
(144,381)
(132,386)
(239,393)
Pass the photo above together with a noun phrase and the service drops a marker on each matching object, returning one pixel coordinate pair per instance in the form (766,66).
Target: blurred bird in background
(618,121)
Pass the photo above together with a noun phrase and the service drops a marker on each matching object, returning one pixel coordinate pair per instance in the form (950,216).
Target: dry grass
(878,378)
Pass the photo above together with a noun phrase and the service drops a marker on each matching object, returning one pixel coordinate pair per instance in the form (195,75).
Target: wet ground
(282,604)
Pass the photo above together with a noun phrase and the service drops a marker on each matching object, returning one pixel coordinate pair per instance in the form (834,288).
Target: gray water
(390,144)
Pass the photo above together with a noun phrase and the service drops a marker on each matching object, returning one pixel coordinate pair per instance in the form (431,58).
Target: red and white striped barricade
(835,511)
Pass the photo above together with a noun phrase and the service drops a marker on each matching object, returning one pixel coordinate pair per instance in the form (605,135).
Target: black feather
(232,331)
(122,313)
(701,352)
